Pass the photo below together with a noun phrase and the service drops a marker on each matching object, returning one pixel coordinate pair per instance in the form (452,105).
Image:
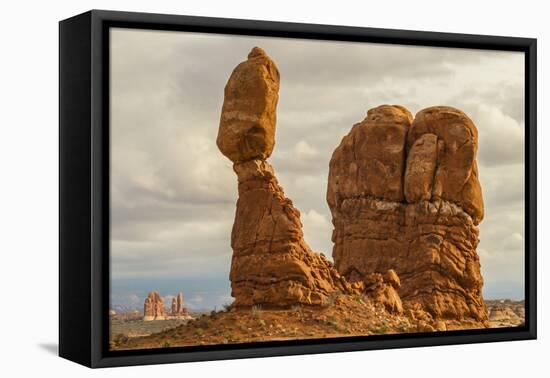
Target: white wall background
(29,187)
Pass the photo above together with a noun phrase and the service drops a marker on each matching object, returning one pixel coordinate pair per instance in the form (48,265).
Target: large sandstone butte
(404,195)
(153,307)
(272,265)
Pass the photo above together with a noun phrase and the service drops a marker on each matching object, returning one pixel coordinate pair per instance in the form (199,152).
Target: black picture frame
(84,187)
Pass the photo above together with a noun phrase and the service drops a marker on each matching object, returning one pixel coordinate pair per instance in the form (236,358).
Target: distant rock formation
(174,307)
(506,312)
(271,265)
(179,302)
(404,195)
(153,307)
(178,307)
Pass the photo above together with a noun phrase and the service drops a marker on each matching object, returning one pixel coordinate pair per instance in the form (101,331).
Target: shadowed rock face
(404,195)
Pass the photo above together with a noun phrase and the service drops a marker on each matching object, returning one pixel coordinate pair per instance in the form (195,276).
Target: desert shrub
(120,339)
(403,327)
(379,330)
(226,307)
(204,323)
(257,312)
(331,299)
(199,332)
(297,309)
(166,344)
(332,321)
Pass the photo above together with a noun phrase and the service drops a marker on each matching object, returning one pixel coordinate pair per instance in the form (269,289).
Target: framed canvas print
(234,188)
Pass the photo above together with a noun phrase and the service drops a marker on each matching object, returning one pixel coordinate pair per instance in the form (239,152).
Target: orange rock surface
(153,307)
(424,225)
(271,265)
(248,119)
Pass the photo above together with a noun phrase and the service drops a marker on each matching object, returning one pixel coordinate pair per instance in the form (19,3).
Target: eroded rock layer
(272,264)
(404,195)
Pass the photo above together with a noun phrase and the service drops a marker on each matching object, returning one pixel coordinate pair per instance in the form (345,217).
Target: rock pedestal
(271,265)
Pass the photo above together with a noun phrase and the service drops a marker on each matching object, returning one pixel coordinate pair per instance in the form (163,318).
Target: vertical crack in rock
(271,264)
(404,195)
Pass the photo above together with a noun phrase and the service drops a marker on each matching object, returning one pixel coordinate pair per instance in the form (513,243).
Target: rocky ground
(346,316)
(506,313)
(137,327)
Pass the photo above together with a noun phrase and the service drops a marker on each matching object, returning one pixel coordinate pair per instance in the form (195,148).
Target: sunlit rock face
(272,265)
(404,195)
(153,307)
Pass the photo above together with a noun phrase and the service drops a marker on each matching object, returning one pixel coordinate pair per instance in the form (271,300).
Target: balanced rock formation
(153,307)
(271,265)
(248,119)
(404,195)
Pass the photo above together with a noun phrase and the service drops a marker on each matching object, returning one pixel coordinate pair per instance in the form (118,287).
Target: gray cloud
(174,194)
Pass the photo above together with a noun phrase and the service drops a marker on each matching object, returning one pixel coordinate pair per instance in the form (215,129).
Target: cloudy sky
(173,193)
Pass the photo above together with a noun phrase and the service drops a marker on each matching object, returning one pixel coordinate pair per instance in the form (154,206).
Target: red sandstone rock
(153,307)
(421,164)
(271,265)
(429,234)
(456,176)
(248,118)
(174,307)
(383,289)
(178,307)
(370,160)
